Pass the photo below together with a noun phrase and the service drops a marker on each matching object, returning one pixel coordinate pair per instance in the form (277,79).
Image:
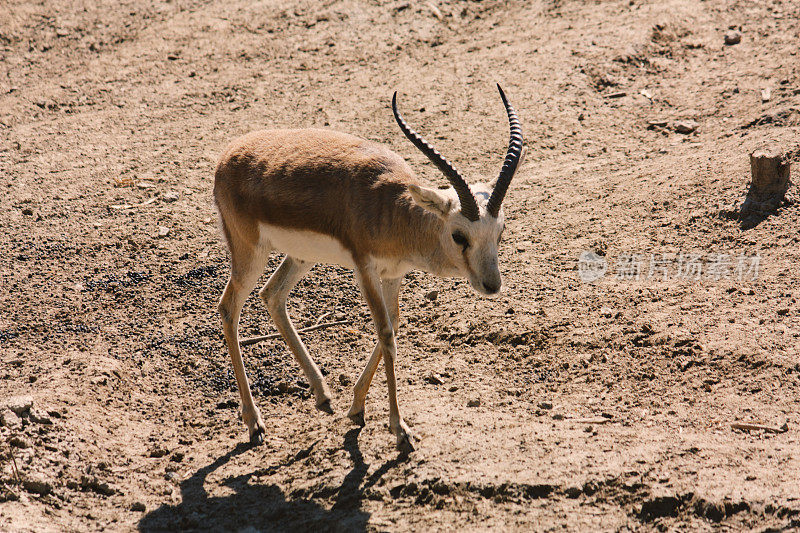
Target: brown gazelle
(320,196)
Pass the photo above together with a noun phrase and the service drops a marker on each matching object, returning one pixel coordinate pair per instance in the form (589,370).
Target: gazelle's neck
(428,241)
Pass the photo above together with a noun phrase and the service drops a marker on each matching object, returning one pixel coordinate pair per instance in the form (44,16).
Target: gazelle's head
(473,216)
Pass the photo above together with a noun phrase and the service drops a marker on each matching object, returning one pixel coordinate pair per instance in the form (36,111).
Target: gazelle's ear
(431,200)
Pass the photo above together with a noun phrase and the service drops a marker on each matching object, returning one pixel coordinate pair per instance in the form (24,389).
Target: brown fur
(304,179)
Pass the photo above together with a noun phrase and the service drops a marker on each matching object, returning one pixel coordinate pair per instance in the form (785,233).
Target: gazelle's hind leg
(274,294)
(247,264)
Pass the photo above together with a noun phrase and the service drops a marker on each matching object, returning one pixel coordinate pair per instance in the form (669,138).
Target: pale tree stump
(769,170)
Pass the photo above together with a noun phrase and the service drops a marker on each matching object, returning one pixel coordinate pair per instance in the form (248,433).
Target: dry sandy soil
(561,404)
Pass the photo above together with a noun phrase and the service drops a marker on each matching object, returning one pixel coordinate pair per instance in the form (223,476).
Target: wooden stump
(769,168)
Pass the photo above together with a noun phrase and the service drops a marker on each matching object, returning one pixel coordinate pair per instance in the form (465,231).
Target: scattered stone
(685,126)
(95,485)
(171,196)
(432,295)
(9,419)
(163,231)
(40,416)
(177,457)
(434,379)
(158,451)
(228,404)
(558,416)
(618,94)
(283,387)
(660,506)
(766,95)
(545,405)
(171,476)
(732,37)
(138,507)
(606,312)
(27,211)
(20,405)
(19,442)
(344,379)
(475,402)
(37,485)
(783,311)
(653,124)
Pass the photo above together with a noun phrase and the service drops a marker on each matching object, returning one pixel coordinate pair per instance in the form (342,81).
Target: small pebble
(732,37)
(432,295)
(9,419)
(138,507)
(39,416)
(685,126)
(20,404)
(18,442)
(476,402)
(434,379)
(37,485)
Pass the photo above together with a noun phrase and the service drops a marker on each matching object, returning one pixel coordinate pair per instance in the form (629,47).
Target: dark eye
(460,239)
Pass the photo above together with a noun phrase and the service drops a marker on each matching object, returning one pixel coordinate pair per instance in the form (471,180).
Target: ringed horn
(469,207)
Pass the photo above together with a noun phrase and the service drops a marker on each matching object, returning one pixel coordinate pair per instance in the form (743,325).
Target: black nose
(491,289)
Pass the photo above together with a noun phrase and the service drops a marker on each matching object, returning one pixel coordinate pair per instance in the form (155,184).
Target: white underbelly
(318,248)
(305,245)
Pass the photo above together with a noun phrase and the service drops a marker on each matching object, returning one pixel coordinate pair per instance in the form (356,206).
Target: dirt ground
(562,404)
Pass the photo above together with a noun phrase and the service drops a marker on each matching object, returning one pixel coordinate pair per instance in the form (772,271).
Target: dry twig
(755,426)
(14,463)
(254,340)
(592,420)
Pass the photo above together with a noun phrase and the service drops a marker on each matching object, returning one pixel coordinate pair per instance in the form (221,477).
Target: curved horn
(469,208)
(511,161)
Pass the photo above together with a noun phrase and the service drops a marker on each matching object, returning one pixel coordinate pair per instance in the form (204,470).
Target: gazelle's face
(472,246)
(469,246)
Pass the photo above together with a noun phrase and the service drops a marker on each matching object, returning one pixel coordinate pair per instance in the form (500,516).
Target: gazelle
(320,196)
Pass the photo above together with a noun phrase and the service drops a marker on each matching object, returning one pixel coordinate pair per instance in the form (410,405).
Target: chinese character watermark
(591,266)
(663,267)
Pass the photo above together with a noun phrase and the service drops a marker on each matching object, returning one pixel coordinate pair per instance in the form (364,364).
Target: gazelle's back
(314,180)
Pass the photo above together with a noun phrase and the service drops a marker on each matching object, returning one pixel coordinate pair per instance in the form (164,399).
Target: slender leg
(371,287)
(247,264)
(390,289)
(274,294)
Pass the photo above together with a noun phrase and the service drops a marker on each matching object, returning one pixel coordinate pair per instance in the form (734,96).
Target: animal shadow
(257,507)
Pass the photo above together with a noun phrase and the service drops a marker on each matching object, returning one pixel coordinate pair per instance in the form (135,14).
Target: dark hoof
(358,419)
(405,446)
(257,437)
(325,407)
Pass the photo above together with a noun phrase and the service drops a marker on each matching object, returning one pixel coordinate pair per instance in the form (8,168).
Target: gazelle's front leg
(390,289)
(371,287)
